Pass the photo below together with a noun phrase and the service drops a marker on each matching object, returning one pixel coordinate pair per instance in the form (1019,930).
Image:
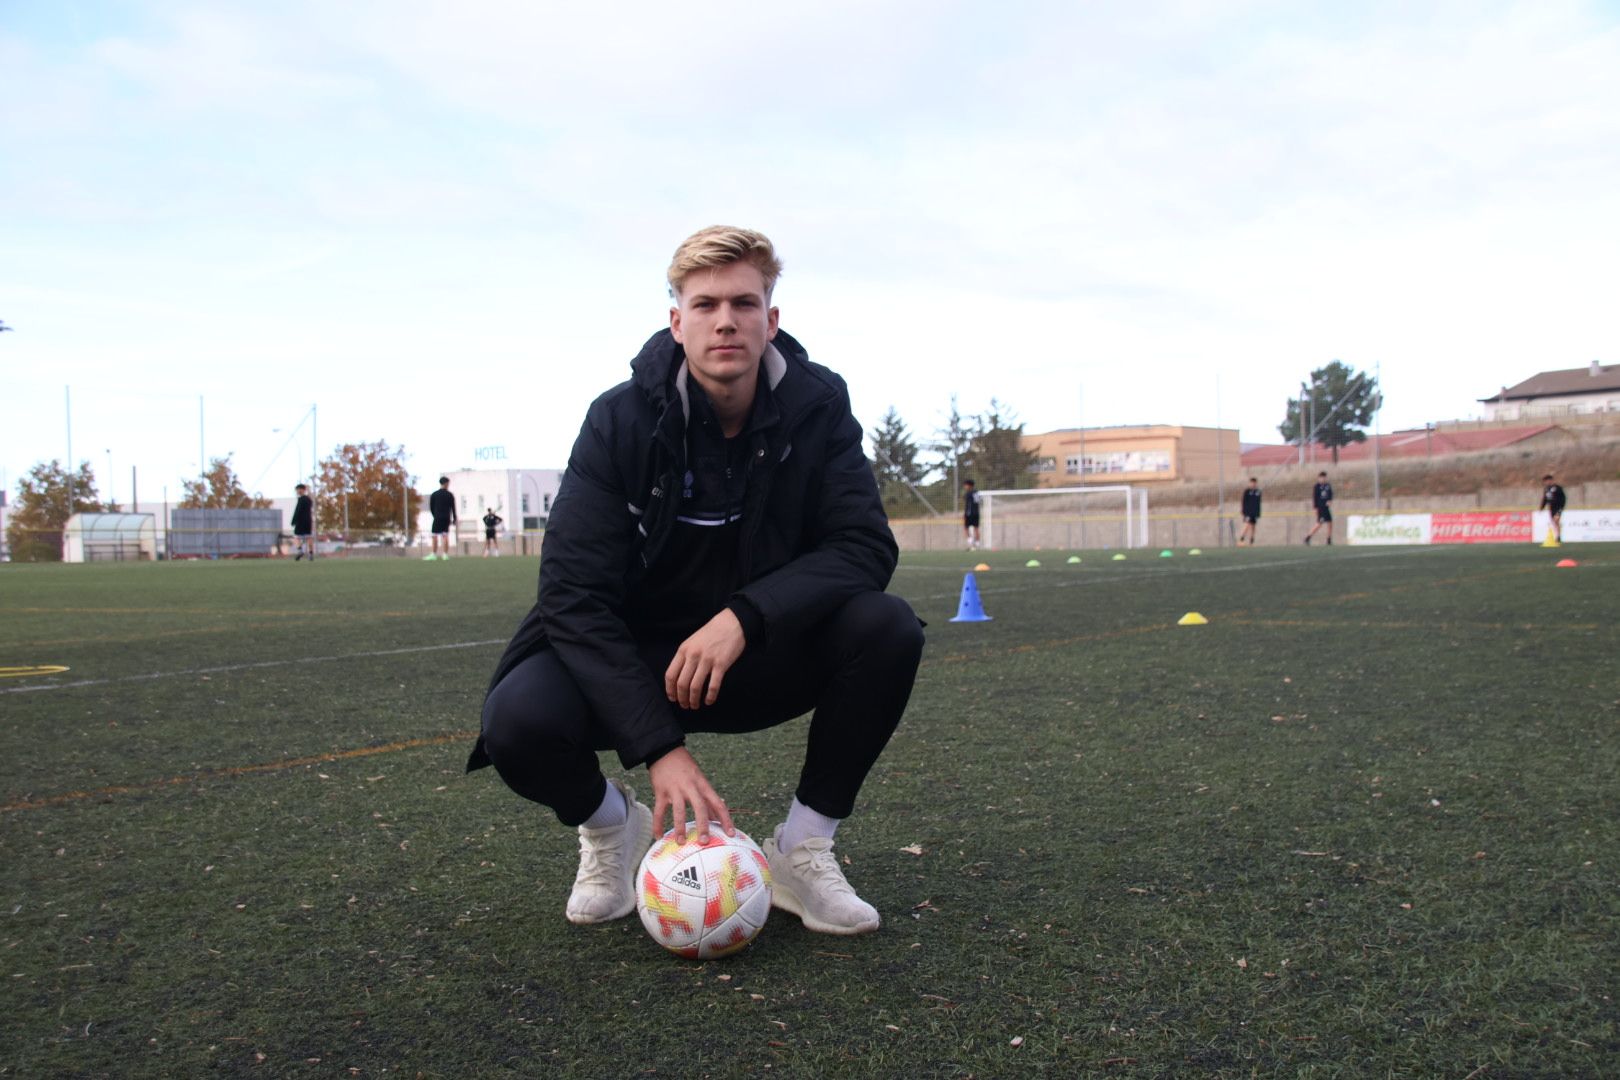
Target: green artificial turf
(1363,823)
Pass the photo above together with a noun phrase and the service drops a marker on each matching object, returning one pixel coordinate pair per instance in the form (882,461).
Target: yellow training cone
(1033,562)
(1073,559)
(1192,618)
(1196,551)
(1551,541)
(1119,557)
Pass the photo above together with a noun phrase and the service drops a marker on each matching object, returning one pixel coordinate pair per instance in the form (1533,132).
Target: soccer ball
(703,900)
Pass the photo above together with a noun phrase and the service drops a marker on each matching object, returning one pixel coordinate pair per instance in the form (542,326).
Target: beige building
(1151,454)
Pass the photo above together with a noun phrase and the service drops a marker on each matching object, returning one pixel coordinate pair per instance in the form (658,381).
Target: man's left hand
(693,678)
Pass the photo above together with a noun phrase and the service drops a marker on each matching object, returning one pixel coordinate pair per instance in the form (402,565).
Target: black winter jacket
(813,531)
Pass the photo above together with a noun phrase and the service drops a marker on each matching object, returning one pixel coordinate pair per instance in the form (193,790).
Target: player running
(1322,502)
(1552,501)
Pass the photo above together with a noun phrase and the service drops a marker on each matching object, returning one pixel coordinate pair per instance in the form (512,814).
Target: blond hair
(722,245)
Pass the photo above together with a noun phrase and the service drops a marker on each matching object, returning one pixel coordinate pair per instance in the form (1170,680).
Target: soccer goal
(1106,516)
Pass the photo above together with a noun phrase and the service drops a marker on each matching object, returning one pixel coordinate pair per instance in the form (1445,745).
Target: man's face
(724,323)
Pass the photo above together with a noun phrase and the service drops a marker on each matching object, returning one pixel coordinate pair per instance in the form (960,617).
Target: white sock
(613,810)
(802,824)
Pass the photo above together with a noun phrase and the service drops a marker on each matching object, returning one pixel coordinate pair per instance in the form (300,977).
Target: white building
(1569,392)
(522,497)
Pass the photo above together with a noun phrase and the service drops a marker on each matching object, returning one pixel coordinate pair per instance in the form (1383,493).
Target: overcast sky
(446,225)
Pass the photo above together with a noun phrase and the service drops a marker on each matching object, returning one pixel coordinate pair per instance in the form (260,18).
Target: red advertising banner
(1498,527)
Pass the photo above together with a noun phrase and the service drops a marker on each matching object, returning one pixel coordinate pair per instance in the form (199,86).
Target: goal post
(1103,516)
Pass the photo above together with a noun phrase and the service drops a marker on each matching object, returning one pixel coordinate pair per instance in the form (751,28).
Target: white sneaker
(808,882)
(605,888)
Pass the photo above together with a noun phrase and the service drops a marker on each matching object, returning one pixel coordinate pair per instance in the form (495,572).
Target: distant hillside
(1589,470)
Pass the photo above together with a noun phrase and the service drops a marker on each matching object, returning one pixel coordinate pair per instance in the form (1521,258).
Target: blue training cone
(971,609)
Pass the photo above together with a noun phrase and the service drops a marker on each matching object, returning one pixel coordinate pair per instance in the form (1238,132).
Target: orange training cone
(1567,562)
(971,608)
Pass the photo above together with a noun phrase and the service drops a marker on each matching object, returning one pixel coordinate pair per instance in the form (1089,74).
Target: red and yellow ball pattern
(703,900)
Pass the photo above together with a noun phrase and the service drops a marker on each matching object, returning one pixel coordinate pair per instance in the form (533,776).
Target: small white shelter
(109,538)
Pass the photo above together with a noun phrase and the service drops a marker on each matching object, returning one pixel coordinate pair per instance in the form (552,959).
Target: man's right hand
(678,784)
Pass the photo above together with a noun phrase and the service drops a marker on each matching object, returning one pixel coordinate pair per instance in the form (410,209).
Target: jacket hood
(659,369)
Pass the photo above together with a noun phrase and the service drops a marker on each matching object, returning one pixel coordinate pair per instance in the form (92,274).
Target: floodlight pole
(1220,471)
(68,391)
(1312,403)
(1300,422)
(1378,407)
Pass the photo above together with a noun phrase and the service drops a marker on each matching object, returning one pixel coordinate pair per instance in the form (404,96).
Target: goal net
(1106,516)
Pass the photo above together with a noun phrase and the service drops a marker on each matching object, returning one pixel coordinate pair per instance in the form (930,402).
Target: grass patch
(1363,823)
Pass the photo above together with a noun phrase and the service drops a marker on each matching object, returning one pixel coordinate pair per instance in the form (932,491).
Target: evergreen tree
(1341,402)
(996,458)
(895,464)
(955,438)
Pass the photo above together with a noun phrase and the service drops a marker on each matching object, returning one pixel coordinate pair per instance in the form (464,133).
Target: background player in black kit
(1321,501)
(1552,501)
(303,524)
(492,522)
(1251,510)
(970,515)
(442,505)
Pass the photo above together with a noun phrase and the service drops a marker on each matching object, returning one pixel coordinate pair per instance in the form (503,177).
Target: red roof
(1399,444)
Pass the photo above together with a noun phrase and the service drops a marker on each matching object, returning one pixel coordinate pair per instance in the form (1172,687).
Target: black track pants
(855,669)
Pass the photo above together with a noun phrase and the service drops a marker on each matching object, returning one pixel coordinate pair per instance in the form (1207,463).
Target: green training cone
(1073,559)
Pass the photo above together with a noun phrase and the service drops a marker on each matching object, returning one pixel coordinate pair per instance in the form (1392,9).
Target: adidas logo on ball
(703,899)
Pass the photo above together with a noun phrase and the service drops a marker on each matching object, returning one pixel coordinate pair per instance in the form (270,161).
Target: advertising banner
(1591,525)
(1388,528)
(1481,527)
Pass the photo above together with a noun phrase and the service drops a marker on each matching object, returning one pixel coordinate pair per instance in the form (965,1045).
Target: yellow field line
(99,639)
(236,770)
(31,671)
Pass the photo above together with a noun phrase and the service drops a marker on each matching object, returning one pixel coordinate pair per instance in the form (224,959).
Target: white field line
(996,587)
(250,667)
